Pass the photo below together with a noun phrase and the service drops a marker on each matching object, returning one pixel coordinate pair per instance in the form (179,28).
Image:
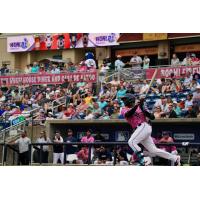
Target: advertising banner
(36,79)
(178,71)
(53,41)
(20,43)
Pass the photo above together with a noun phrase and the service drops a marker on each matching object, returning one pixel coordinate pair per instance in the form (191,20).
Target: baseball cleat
(178,161)
(147,161)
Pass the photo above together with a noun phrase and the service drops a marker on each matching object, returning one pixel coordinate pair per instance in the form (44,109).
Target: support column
(163,53)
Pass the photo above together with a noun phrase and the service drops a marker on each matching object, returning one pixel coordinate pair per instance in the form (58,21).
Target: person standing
(146,62)
(118,63)
(45,149)
(58,153)
(136,62)
(70,150)
(23,144)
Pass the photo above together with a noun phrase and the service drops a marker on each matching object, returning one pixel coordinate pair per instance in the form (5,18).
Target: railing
(114,145)
(60,101)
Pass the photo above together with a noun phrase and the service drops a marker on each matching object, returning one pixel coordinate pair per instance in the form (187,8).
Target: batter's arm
(146,112)
(131,111)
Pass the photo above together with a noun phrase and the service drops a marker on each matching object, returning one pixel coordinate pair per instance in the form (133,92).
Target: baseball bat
(152,80)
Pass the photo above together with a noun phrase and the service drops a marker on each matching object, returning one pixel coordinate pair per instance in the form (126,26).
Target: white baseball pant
(142,135)
(57,156)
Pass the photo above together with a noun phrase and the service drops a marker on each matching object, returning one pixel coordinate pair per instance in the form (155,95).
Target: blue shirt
(102,105)
(35,69)
(121,93)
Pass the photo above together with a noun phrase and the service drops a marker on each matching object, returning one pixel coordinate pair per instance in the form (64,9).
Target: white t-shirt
(42,140)
(2,99)
(136,62)
(175,62)
(119,64)
(23,144)
(144,88)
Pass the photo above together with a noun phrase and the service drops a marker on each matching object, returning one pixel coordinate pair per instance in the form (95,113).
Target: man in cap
(136,115)
(118,63)
(23,144)
(58,152)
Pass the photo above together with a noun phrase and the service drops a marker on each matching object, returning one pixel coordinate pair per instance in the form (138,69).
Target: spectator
(167,139)
(45,148)
(58,153)
(83,156)
(35,68)
(146,62)
(118,63)
(70,150)
(188,102)
(55,70)
(122,158)
(23,144)
(136,61)
(171,113)
(88,137)
(2,97)
(104,157)
(188,80)
(69,113)
(115,82)
(4,87)
(102,103)
(194,59)
(4,69)
(191,113)
(193,85)
(88,99)
(158,112)
(144,87)
(187,60)
(177,109)
(71,67)
(175,61)
(121,92)
(196,95)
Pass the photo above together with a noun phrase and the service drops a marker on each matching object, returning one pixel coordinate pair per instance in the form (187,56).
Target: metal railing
(57,102)
(113,145)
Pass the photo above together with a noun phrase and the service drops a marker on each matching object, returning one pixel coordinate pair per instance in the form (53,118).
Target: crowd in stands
(167,98)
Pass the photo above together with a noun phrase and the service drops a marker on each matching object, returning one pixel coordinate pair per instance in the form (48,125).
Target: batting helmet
(128,99)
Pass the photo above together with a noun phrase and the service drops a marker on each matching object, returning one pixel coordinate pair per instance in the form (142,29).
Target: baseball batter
(136,115)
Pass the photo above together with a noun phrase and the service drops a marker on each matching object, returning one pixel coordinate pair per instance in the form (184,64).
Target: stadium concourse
(167,98)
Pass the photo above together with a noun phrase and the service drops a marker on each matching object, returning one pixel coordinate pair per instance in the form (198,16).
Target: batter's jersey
(137,118)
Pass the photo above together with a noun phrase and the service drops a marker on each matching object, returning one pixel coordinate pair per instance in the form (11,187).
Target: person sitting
(187,60)
(175,61)
(103,157)
(167,139)
(158,114)
(122,158)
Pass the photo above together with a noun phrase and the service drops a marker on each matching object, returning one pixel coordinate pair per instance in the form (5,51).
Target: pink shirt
(86,139)
(136,119)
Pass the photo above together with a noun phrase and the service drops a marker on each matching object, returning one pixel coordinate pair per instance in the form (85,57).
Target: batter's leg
(151,147)
(138,135)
